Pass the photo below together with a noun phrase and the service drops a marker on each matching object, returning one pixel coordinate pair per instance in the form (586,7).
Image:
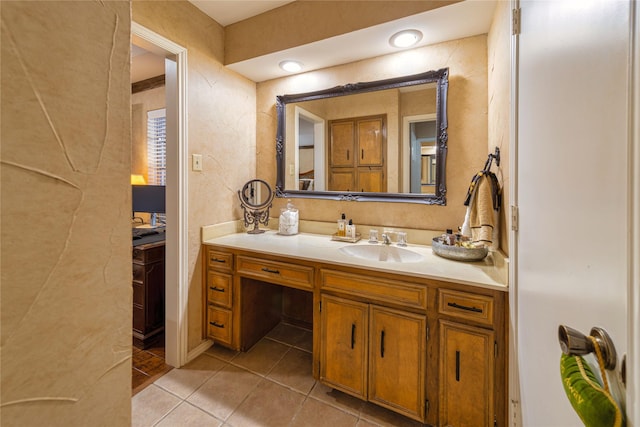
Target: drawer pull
(353,335)
(382,344)
(268,270)
(464,307)
(457,365)
(217,325)
(218,260)
(214,288)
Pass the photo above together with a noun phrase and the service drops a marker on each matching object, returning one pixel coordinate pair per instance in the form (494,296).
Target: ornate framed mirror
(383,140)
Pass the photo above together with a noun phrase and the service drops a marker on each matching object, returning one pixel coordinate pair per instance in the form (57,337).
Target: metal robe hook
(573,342)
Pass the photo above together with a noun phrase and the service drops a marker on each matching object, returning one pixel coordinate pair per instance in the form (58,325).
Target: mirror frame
(440,77)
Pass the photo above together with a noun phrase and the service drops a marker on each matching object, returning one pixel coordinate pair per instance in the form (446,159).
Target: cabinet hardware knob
(382,344)
(268,270)
(353,335)
(464,307)
(214,288)
(457,365)
(217,260)
(217,325)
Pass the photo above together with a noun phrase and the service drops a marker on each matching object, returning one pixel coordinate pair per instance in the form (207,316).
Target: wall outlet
(196,162)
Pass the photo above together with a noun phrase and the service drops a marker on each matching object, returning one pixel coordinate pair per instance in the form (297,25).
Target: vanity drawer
(145,254)
(219,324)
(219,288)
(478,308)
(139,273)
(221,261)
(389,291)
(295,276)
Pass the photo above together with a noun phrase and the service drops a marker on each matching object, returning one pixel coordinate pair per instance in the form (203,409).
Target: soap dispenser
(288,221)
(342,226)
(351,230)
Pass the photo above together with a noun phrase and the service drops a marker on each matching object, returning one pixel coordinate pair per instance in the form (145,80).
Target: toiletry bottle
(351,230)
(450,239)
(342,226)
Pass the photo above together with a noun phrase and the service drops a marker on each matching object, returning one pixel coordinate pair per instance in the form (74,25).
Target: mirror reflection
(384,140)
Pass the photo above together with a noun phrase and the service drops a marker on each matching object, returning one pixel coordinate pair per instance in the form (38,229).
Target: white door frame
(406,147)
(177,255)
(633,357)
(320,183)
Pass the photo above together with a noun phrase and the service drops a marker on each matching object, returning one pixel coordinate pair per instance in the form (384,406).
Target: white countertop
(489,273)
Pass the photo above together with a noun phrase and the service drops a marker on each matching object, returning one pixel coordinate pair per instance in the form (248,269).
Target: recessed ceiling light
(291,66)
(405,38)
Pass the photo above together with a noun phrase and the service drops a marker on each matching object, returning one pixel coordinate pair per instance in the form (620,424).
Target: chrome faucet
(386,239)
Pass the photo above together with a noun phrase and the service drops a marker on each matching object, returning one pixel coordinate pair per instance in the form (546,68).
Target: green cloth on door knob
(595,405)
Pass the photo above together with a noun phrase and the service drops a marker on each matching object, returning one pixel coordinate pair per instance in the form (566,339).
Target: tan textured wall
(221,127)
(499,75)
(467,108)
(66,242)
(289,25)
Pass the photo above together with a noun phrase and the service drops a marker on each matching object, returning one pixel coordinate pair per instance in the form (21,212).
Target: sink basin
(382,253)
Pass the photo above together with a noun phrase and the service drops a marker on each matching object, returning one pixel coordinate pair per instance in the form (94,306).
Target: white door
(571,189)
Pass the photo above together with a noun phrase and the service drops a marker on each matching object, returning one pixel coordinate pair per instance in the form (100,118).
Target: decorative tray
(458,253)
(345,238)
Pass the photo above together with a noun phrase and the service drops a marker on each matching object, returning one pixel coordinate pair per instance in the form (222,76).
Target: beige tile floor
(269,386)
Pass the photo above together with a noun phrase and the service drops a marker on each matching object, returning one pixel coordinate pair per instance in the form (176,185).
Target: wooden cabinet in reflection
(357,149)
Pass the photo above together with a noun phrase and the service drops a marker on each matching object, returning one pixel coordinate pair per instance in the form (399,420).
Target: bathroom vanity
(426,339)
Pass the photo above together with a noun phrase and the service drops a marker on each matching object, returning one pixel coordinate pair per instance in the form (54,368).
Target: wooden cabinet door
(342,179)
(342,139)
(466,375)
(371,180)
(397,347)
(370,142)
(344,335)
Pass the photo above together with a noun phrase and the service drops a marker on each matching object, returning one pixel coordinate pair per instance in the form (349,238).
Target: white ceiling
(231,11)
(464,19)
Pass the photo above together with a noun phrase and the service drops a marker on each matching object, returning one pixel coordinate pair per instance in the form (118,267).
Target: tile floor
(269,386)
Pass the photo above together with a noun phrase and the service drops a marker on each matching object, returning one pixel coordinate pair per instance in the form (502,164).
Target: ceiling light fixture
(291,66)
(405,38)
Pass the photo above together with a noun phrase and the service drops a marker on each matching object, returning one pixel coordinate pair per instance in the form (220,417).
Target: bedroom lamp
(138,180)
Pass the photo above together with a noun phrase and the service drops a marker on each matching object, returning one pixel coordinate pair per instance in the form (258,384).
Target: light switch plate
(196,162)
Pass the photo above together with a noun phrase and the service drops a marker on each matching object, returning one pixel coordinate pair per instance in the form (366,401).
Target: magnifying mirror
(256,197)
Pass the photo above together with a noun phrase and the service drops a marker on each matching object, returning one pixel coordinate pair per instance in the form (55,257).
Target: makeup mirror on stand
(256,197)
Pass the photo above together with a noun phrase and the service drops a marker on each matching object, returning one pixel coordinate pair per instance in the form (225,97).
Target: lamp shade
(138,180)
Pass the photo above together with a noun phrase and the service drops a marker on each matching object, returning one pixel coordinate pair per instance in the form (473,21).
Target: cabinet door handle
(217,325)
(217,260)
(347,154)
(457,365)
(353,335)
(382,343)
(464,307)
(268,270)
(215,288)
(362,155)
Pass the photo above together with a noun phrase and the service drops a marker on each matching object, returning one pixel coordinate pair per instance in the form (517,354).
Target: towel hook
(494,155)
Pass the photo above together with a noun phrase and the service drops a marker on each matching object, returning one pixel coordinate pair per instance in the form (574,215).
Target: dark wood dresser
(148,292)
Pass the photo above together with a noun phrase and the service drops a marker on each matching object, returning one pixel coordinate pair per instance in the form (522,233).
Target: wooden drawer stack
(219,296)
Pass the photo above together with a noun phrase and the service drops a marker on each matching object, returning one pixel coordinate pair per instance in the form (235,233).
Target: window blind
(157,147)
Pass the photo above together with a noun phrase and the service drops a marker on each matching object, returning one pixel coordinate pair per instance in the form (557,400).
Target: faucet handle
(402,238)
